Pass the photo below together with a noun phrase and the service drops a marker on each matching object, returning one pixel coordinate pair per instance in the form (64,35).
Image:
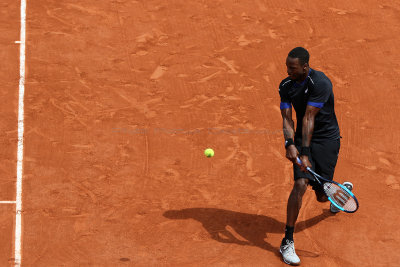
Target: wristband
(288,142)
(305,151)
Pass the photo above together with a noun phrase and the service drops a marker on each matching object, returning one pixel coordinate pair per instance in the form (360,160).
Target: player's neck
(304,77)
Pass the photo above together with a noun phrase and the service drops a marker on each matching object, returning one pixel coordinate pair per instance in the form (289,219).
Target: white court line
(20,151)
(8,202)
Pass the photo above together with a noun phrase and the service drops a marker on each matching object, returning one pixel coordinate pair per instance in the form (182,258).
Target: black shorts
(324,156)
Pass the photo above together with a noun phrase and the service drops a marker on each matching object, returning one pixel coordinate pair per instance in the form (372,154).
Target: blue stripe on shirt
(316,104)
(285,105)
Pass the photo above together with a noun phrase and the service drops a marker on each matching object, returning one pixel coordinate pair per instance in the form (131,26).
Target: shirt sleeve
(320,94)
(285,99)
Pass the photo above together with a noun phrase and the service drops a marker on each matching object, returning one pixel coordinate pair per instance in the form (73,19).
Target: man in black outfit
(316,140)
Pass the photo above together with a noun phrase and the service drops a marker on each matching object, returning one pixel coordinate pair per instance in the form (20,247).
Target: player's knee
(321,197)
(300,186)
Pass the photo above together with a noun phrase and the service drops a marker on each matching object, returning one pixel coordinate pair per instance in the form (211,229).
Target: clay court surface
(122,97)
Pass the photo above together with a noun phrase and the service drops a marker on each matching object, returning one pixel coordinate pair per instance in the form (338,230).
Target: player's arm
(288,123)
(307,131)
(308,124)
(288,133)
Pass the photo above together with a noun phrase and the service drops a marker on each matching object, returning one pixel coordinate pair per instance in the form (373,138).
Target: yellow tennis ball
(209,152)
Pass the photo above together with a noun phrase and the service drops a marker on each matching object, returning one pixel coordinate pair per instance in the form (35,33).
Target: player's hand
(292,153)
(305,163)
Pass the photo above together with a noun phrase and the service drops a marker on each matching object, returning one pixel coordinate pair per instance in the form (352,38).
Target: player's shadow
(224,225)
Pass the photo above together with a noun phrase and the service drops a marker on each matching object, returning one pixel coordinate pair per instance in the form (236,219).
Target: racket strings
(340,196)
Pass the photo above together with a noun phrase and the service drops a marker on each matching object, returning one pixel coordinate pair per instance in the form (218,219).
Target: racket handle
(301,163)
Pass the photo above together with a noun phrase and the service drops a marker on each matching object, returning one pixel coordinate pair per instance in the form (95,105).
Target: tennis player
(316,139)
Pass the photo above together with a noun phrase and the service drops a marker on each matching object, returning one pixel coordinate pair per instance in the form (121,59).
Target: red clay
(122,98)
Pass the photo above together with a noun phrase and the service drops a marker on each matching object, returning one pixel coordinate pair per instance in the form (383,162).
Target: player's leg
(295,200)
(301,180)
(293,207)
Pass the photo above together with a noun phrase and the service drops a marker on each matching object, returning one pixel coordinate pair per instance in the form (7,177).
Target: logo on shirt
(306,90)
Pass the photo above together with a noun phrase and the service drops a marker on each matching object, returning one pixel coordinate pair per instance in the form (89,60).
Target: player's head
(297,63)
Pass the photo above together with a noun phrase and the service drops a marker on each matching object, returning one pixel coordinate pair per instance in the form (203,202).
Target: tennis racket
(338,194)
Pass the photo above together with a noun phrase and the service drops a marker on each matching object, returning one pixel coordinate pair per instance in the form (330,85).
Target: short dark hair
(300,53)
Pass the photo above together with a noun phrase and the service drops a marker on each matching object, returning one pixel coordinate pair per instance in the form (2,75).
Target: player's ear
(305,66)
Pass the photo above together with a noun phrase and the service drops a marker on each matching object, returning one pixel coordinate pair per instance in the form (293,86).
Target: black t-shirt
(316,90)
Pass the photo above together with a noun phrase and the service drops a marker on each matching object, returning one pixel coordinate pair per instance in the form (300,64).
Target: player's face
(295,70)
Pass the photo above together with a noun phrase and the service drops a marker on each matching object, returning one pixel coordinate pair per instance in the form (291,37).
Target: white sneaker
(289,254)
(349,186)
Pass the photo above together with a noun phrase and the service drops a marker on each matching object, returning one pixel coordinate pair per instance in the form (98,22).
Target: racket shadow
(227,226)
